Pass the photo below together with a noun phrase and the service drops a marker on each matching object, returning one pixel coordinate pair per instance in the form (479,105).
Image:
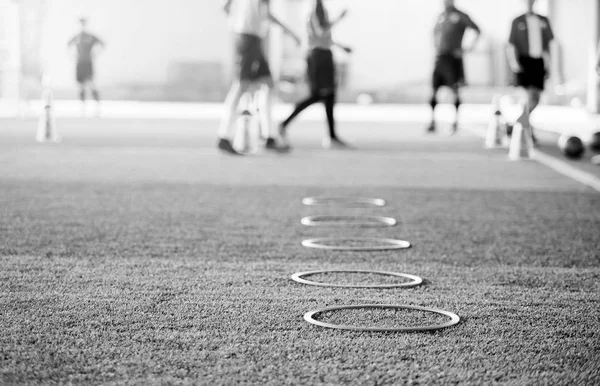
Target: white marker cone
(242,139)
(521,144)
(47,125)
(497,128)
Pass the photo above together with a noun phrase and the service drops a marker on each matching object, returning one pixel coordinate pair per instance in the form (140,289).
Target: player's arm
(344,47)
(101,43)
(285,28)
(513,62)
(547,55)
(437,37)
(340,18)
(227,6)
(471,25)
(511,50)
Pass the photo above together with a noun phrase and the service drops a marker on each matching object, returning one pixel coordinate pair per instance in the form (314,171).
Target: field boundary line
(556,164)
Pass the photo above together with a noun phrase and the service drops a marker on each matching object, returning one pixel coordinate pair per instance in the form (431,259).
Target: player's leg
(83,97)
(300,107)
(82,92)
(332,142)
(457,81)
(533,99)
(436,84)
(226,129)
(246,48)
(329,102)
(262,73)
(457,104)
(264,106)
(94,90)
(80,78)
(311,75)
(523,84)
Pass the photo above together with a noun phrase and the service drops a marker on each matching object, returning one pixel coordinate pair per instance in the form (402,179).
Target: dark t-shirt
(84,43)
(450,30)
(519,34)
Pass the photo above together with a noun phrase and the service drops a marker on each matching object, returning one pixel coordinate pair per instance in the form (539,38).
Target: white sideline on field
(567,170)
(557,165)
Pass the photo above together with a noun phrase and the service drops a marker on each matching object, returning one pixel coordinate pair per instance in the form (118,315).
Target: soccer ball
(571,146)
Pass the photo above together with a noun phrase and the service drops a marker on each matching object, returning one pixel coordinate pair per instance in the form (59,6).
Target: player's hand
(547,74)
(227,7)
(516,68)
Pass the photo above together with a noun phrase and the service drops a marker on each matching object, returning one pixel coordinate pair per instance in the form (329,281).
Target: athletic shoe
(272,145)
(226,147)
(335,144)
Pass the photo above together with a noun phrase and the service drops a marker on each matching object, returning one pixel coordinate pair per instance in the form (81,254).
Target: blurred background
(180,50)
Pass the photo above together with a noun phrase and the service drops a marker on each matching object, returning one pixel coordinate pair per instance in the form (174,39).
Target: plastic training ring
(360,221)
(378,244)
(298,277)
(343,201)
(454,319)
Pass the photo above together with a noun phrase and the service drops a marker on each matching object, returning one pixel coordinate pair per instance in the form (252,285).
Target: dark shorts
(449,71)
(321,72)
(84,71)
(251,62)
(533,74)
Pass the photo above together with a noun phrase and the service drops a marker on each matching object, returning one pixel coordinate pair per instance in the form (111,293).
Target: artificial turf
(189,284)
(130,254)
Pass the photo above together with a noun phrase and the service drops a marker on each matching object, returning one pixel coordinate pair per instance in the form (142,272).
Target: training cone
(243,137)
(496,132)
(47,125)
(521,143)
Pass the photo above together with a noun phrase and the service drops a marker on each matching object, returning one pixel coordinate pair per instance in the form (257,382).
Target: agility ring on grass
(454,319)
(376,244)
(345,221)
(343,201)
(415,280)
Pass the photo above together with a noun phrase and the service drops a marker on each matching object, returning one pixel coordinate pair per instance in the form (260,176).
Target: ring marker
(299,277)
(360,221)
(454,319)
(376,244)
(343,201)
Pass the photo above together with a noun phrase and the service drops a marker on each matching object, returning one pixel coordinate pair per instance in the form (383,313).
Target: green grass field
(132,253)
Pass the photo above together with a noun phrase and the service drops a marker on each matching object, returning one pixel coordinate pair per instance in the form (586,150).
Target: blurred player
(321,71)
(448,34)
(250,21)
(529,56)
(85,44)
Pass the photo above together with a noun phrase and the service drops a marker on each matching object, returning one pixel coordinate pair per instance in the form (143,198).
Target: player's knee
(433,102)
(457,103)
